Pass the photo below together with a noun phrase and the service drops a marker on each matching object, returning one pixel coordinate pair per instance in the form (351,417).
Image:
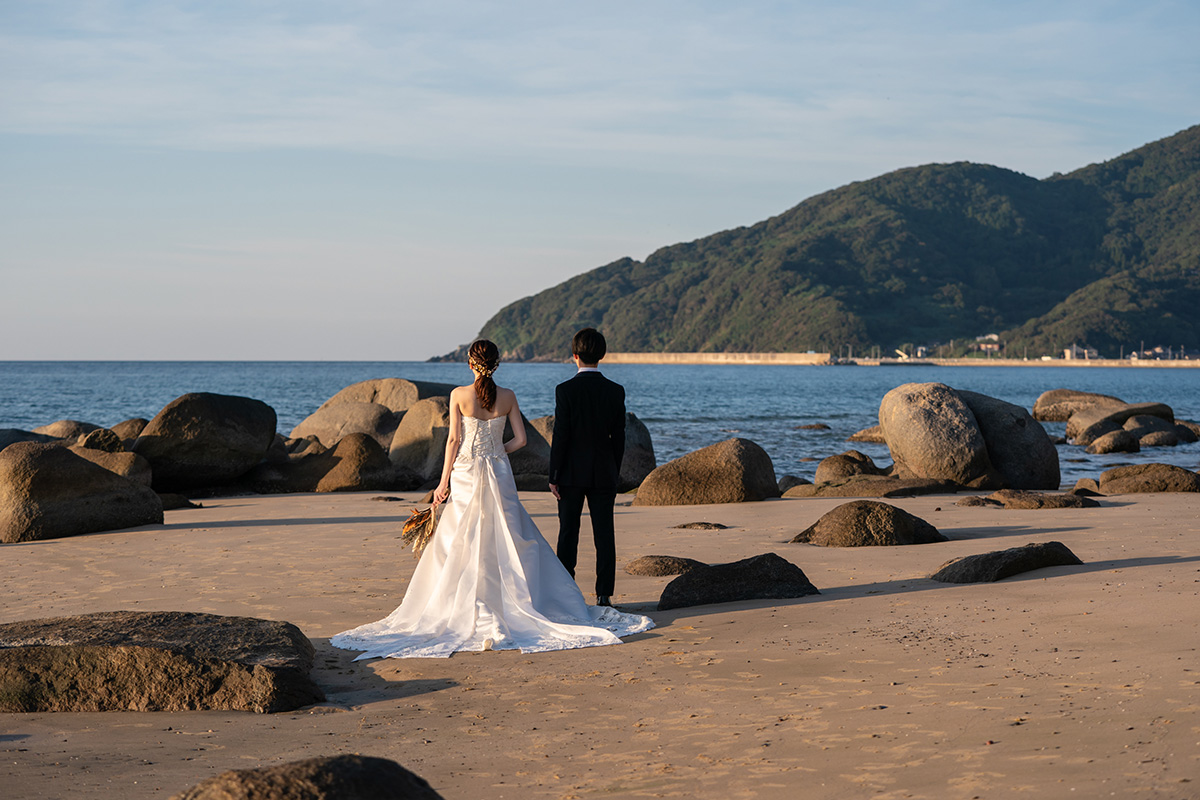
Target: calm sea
(684,406)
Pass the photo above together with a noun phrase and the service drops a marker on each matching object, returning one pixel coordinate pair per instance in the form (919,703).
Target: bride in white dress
(487,580)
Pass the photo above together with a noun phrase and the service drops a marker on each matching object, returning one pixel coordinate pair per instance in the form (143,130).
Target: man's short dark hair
(589,345)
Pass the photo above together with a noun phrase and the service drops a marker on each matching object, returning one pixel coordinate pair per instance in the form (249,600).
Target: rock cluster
(1105,424)
(936,432)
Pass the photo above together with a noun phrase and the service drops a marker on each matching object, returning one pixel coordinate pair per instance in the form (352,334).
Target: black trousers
(600,508)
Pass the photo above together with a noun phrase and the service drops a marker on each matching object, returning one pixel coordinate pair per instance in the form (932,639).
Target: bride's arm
(518,429)
(453,442)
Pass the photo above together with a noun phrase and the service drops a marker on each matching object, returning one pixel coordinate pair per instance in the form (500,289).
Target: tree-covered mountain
(1107,256)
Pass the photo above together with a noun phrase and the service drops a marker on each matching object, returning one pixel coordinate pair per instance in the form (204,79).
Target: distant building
(1075,351)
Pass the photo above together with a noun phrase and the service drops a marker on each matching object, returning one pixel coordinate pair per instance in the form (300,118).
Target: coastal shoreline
(827,359)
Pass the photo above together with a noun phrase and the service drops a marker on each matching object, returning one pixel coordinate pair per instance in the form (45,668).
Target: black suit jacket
(589,432)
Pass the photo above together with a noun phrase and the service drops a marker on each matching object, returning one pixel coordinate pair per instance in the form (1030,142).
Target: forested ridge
(1106,256)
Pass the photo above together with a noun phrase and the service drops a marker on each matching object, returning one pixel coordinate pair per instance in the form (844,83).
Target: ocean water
(685,407)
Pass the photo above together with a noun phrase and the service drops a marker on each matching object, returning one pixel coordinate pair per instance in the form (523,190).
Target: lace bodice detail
(482,438)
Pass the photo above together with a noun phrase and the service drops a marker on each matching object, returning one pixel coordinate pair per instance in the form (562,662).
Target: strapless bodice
(482,438)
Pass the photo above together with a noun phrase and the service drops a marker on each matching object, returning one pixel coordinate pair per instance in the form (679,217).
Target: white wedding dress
(488,580)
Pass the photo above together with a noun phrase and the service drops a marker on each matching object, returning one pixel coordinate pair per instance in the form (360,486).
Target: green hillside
(1108,256)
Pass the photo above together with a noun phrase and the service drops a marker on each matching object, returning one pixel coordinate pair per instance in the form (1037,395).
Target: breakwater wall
(718,358)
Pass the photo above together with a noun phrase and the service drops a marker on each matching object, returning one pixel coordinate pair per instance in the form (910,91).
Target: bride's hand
(440,495)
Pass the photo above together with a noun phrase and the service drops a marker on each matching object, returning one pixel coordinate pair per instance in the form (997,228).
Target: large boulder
(1057,405)
(396,394)
(357,463)
(102,439)
(761,577)
(932,433)
(846,465)
(732,471)
(66,429)
(1085,426)
(154,661)
(48,491)
(868,523)
(419,444)
(331,423)
(639,460)
(1159,439)
(345,777)
(1148,478)
(205,439)
(873,486)
(534,457)
(1000,564)
(1017,444)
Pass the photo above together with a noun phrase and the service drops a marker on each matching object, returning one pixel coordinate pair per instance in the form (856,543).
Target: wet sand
(1070,681)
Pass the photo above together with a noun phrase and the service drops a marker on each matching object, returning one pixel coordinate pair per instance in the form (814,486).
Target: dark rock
(815,426)
(658,566)
(1158,439)
(383,498)
(1087,487)
(874,486)
(1057,405)
(1020,499)
(174,502)
(123,463)
(1186,432)
(846,465)
(102,439)
(867,523)
(13,435)
(345,777)
(329,424)
(1000,564)
(639,459)
(1017,444)
(544,426)
(47,491)
(1117,441)
(154,661)
(532,482)
(701,526)
(204,439)
(129,429)
(732,471)
(1141,424)
(932,433)
(872,435)
(66,429)
(1137,478)
(1097,430)
(533,458)
(761,577)
(788,481)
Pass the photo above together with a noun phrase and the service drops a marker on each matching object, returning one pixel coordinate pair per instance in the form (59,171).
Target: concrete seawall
(717,358)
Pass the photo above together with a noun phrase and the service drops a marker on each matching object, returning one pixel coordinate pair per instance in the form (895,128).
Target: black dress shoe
(603,600)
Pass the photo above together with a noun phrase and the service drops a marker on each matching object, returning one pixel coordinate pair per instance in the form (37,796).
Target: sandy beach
(1065,682)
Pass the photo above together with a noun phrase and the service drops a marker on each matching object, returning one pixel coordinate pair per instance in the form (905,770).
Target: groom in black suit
(585,458)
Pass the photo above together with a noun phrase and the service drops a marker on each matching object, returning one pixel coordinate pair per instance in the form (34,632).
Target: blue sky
(373,180)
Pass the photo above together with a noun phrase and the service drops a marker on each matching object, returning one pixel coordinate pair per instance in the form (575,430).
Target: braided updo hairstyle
(484,357)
